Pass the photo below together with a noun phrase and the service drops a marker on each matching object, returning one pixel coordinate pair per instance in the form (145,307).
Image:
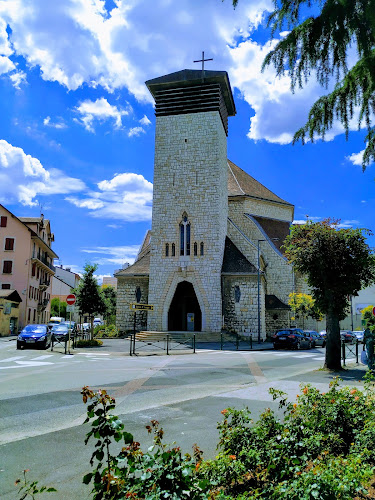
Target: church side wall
(278,272)
(126,289)
(266,208)
(190,176)
(240,304)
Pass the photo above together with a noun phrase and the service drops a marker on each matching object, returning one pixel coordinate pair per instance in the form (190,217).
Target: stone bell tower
(190,201)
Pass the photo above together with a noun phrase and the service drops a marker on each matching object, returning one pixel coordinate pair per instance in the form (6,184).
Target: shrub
(323,448)
(106,331)
(89,343)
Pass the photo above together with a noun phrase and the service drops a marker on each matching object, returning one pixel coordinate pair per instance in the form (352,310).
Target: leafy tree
(90,299)
(303,305)
(110,297)
(319,44)
(58,307)
(368,316)
(337,263)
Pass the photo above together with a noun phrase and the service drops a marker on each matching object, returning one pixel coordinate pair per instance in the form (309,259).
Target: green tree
(58,307)
(368,316)
(337,263)
(90,298)
(321,34)
(303,305)
(110,298)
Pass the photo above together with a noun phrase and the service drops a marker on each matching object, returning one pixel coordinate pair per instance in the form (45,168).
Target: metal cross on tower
(203,60)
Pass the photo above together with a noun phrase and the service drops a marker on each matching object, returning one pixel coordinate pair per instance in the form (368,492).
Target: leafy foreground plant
(323,448)
(161,472)
(32,489)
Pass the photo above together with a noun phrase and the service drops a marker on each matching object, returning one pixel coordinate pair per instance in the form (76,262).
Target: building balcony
(42,304)
(42,260)
(44,284)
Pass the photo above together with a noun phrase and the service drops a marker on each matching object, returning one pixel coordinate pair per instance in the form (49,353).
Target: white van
(56,320)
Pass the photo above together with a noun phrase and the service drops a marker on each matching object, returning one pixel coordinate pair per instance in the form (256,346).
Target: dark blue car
(292,338)
(34,336)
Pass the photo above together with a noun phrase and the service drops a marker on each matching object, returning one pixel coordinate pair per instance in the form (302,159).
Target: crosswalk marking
(303,355)
(8,360)
(39,358)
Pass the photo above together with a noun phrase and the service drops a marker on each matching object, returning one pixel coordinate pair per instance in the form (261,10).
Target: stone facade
(190,179)
(211,223)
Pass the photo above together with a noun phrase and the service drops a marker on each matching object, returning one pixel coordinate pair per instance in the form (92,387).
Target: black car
(34,336)
(292,338)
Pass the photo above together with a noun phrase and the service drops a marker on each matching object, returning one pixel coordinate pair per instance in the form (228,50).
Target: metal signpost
(138,307)
(70,300)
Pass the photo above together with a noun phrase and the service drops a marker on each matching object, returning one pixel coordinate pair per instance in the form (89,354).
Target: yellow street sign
(141,307)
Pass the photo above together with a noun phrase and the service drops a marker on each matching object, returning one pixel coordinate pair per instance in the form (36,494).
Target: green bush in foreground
(89,343)
(106,331)
(323,448)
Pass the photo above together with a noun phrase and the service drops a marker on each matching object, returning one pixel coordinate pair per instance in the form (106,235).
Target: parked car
(97,321)
(293,338)
(59,331)
(318,339)
(70,324)
(359,335)
(347,336)
(34,335)
(323,333)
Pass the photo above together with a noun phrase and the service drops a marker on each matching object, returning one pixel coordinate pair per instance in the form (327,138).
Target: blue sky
(77,122)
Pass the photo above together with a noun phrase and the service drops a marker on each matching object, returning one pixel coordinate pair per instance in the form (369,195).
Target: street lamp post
(258,247)
(259,340)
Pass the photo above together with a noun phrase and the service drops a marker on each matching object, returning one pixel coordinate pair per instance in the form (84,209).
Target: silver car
(318,340)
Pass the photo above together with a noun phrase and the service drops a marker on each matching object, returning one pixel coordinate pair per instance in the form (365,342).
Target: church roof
(234,260)
(191,78)
(141,267)
(242,184)
(276,230)
(273,302)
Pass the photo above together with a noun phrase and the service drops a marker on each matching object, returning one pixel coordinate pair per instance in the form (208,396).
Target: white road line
(33,363)
(39,358)
(281,353)
(10,367)
(320,358)
(94,354)
(68,356)
(8,360)
(303,355)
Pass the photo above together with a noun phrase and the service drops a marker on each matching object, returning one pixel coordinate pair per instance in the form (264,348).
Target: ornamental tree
(368,316)
(303,305)
(337,263)
(90,299)
(321,32)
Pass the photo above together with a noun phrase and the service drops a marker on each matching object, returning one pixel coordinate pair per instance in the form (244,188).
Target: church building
(213,258)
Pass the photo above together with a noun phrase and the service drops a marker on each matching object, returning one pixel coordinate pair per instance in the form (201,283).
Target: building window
(37,273)
(202,248)
(5,286)
(3,221)
(195,249)
(237,293)
(33,267)
(185,236)
(7,266)
(34,315)
(167,249)
(29,315)
(9,244)
(173,249)
(30,292)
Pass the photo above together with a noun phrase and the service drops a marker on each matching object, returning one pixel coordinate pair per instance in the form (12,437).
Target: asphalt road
(42,412)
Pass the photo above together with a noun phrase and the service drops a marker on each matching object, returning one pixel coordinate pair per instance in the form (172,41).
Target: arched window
(167,249)
(195,249)
(185,235)
(173,249)
(202,248)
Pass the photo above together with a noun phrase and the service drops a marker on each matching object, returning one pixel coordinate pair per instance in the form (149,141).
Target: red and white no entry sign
(71,299)
(373,311)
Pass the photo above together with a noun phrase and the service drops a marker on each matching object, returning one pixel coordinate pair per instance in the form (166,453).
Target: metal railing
(37,255)
(352,348)
(165,342)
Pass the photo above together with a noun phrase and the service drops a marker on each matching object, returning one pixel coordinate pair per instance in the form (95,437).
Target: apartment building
(26,264)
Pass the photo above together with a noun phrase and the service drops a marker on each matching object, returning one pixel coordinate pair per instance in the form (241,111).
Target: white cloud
(132,43)
(348,224)
(356,158)
(99,110)
(113,255)
(145,121)
(126,196)
(58,124)
(136,131)
(23,177)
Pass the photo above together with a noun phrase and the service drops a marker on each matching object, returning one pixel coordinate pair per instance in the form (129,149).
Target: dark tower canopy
(186,91)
